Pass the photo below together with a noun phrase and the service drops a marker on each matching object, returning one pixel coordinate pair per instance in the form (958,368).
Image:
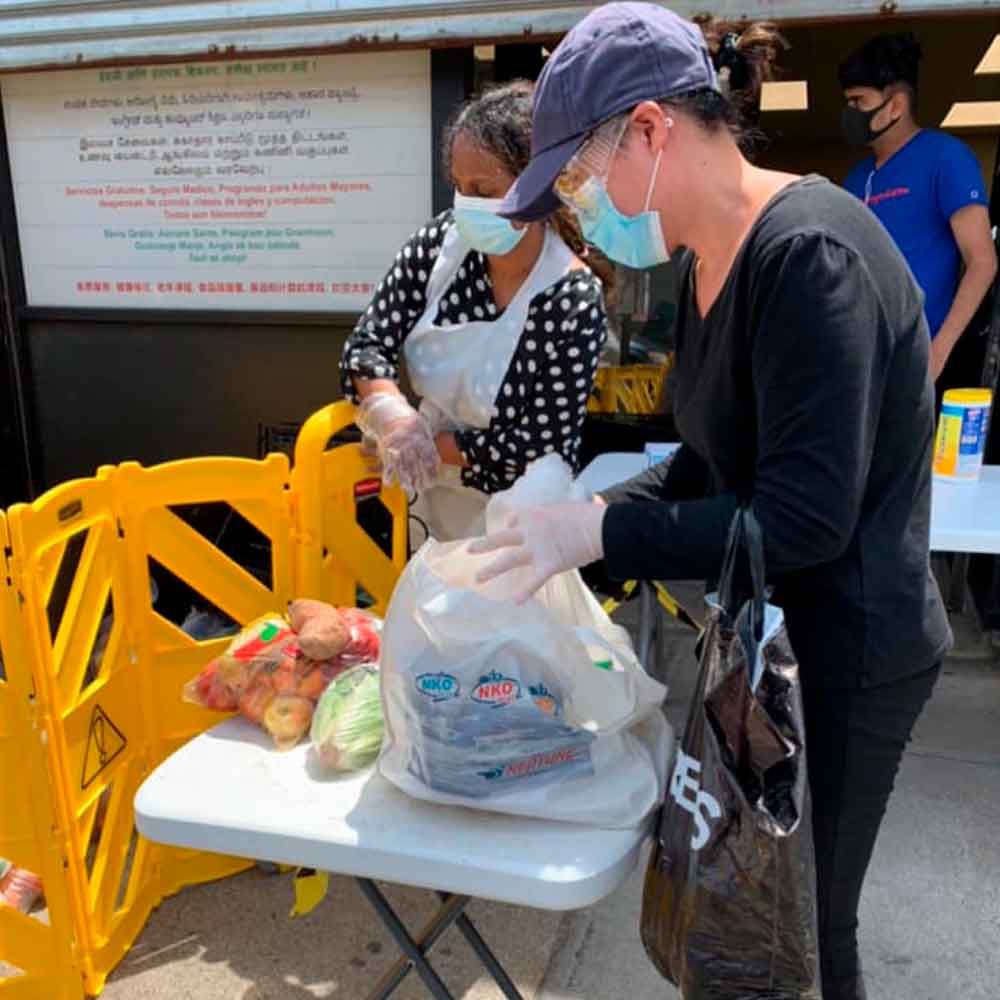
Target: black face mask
(856,124)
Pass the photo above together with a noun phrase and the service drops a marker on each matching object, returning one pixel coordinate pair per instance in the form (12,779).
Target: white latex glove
(543,541)
(403,438)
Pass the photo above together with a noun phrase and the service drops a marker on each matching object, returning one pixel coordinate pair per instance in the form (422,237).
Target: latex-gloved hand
(544,541)
(405,444)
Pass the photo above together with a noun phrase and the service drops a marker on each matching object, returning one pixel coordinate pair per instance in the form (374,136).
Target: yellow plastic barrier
(258,491)
(42,956)
(90,692)
(634,389)
(334,555)
(666,600)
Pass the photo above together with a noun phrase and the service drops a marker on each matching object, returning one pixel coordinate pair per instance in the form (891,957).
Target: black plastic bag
(729,905)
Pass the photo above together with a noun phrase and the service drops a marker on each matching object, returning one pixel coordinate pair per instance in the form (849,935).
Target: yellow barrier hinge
(8,569)
(292,508)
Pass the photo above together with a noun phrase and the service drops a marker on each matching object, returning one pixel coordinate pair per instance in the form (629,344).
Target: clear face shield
(581,181)
(635,241)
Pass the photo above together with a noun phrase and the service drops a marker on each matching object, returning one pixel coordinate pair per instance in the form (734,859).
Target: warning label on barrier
(104,743)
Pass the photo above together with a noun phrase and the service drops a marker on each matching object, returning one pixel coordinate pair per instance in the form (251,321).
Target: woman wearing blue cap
(802,388)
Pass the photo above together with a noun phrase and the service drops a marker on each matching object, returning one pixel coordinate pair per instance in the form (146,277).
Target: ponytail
(745,58)
(568,229)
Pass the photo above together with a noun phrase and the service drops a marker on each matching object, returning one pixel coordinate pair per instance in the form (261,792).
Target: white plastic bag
(539,710)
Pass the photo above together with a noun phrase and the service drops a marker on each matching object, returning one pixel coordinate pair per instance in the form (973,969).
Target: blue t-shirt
(915,193)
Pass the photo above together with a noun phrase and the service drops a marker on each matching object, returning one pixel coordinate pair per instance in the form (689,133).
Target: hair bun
(731,63)
(744,54)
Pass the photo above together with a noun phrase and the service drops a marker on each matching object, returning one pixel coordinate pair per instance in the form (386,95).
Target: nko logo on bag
(686,791)
(438,687)
(496,690)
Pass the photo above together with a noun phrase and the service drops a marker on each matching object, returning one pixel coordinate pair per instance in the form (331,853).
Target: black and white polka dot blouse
(542,401)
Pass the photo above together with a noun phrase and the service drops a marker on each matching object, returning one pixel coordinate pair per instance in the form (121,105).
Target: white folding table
(965,518)
(229,791)
(611,468)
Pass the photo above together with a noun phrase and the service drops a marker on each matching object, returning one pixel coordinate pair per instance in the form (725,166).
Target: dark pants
(855,740)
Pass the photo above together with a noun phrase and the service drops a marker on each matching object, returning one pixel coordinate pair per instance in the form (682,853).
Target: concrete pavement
(930,921)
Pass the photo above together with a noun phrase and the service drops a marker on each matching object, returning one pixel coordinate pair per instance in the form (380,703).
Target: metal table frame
(415,949)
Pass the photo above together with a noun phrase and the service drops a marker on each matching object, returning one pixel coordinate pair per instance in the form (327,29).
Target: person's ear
(900,104)
(652,124)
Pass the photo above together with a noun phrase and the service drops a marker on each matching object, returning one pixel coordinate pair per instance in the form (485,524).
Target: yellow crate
(80,732)
(634,389)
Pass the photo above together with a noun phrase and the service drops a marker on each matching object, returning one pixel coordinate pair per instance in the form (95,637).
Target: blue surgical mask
(633,240)
(480,226)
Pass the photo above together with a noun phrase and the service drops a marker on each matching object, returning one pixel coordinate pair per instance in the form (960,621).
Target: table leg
(410,948)
(415,949)
(489,960)
(662,670)
(647,609)
(959,582)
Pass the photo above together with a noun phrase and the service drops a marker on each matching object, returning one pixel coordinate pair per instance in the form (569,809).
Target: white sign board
(266,184)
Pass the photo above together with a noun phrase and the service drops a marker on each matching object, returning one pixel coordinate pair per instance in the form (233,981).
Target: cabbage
(347,724)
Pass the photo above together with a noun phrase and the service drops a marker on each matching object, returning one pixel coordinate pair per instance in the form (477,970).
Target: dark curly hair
(499,121)
(884,61)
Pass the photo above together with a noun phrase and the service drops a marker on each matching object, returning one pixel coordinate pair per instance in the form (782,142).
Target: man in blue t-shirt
(925,186)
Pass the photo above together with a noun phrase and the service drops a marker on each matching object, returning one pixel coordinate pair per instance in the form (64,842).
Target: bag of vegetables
(347,724)
(274,671)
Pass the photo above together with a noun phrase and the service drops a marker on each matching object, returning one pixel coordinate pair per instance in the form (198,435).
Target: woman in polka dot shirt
(500,328)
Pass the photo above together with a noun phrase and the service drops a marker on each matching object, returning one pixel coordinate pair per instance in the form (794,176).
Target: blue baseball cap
(618,56)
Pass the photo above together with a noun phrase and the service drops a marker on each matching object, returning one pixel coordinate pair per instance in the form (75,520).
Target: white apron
(458,370)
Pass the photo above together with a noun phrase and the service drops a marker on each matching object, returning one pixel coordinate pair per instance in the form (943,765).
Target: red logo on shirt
(900,192)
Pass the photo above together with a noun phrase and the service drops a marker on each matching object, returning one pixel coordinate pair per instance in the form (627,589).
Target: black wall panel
(155,391)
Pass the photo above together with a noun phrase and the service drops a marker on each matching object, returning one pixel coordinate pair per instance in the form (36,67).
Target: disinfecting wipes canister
(961,435)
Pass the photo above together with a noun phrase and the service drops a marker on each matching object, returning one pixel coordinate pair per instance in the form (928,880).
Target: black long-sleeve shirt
(805,391)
